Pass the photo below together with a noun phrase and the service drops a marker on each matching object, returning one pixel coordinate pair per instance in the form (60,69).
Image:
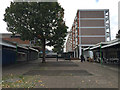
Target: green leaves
(43,20)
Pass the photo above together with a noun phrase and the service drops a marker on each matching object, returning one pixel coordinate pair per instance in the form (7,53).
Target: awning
(95,47)
(34,49)
(7,44)
(109,45)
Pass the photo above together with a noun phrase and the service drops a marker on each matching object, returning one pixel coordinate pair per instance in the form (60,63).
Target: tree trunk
(43,46)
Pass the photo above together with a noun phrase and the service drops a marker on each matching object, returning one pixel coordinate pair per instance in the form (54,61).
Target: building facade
(90,27)
(16,39)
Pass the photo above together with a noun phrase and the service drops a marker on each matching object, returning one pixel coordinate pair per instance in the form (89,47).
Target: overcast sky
(71,7)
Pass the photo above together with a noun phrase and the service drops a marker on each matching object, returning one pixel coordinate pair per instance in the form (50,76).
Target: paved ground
(61,74)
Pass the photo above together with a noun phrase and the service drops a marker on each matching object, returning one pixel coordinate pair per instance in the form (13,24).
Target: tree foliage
(43,20)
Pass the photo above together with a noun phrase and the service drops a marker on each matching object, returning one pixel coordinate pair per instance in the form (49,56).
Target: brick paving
(61,74)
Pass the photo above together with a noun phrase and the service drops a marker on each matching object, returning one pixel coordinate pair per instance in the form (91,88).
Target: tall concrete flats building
(90,27)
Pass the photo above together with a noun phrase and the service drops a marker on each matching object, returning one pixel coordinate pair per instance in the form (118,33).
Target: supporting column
(77,52)
(109,27)
(105,26)
(74,53)
(80,51)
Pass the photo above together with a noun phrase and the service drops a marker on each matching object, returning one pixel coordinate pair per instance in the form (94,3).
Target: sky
(71,7)
(119,16)
(97,0)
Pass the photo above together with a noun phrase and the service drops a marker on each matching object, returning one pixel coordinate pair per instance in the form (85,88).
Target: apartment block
(89,27)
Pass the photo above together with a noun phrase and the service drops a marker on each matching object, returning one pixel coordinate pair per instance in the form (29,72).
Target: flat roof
(94,47)
(7,44)
(106,44)
(109,45)
(86,49)
(93,9)
(22,47)
(98,45)
(33,49)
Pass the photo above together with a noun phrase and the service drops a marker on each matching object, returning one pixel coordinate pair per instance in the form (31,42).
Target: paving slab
(60,74)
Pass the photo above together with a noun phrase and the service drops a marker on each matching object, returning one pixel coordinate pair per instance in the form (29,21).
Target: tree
(58,47)
(41,20)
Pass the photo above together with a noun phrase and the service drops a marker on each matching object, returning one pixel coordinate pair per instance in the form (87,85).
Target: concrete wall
(92,40)
(92,23)
(91,14)
(93,31)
